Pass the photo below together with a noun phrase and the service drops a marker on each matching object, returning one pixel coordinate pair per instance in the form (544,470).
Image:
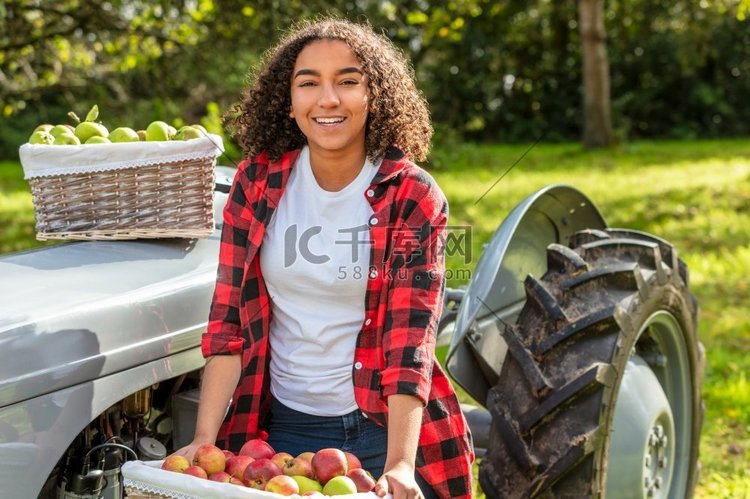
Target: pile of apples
(328,472)
(89,131)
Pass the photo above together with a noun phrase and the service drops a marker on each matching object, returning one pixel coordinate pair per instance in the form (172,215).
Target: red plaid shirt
(395,346)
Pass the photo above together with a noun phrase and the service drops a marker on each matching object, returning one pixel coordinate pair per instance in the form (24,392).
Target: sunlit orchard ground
(695,194)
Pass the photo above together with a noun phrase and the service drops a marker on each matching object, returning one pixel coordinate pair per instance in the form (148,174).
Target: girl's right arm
(220,378)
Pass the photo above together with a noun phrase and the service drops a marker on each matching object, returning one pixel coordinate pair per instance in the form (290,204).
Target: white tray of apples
(257,471)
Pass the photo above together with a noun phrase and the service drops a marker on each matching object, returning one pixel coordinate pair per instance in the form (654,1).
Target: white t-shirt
(314,260)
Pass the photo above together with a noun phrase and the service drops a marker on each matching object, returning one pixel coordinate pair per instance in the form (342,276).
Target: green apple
(96,139)
(157,130)
(87,129)
(43,128)
(201,128)
(67,139)
(307,484)
(172,131)
(41,137)
(123,134)
(339,486)
(187,133)
(58,129)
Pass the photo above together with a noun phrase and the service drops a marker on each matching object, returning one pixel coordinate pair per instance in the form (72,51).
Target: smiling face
(330,99)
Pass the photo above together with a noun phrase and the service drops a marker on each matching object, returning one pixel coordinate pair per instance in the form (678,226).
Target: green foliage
(514,73)
(140,60)
(743,9)
(494,70)
(677,68)
(46,45)
(212,122)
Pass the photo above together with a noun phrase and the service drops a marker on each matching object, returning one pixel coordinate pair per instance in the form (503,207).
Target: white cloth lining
(40,160)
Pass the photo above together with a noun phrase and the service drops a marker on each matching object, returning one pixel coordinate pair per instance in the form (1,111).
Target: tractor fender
(496,289)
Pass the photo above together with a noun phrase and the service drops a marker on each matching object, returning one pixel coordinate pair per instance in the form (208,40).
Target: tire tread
(586,311)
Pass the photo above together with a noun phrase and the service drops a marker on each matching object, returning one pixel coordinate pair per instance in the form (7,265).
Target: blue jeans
(296,432)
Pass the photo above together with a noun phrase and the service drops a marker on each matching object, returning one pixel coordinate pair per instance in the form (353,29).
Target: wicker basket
(124,190)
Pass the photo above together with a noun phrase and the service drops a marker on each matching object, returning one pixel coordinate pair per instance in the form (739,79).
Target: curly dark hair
(397,115)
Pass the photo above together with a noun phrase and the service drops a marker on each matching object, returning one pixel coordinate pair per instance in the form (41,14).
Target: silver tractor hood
(82,310)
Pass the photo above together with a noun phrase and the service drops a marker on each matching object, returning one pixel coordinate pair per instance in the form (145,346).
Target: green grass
(694,194)
(16,210)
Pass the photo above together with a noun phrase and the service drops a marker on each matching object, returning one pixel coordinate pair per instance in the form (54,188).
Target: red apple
(281,458)
(352,461)
(228,453)
(362,479)
(298,467)
(235,481)
(196,471)
(328,463)
(282,484)
(220,476)
(307,455)
(210,458)
(259,472)
(257,449)
(236,466)
(175,463)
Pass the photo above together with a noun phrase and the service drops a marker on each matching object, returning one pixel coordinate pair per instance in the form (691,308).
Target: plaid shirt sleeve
(415,299)
(415,288)
(223,335)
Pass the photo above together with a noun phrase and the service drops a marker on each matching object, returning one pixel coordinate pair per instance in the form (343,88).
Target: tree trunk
(597,121)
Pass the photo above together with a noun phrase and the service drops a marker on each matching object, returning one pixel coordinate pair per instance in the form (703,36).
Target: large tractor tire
(600,393)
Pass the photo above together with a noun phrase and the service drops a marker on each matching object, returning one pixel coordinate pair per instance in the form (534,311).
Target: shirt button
(373,274)
(368,322)
(357,365)
(370,193)
(373,221)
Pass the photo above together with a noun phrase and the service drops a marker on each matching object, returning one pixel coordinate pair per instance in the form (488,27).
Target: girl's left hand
(399,480)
